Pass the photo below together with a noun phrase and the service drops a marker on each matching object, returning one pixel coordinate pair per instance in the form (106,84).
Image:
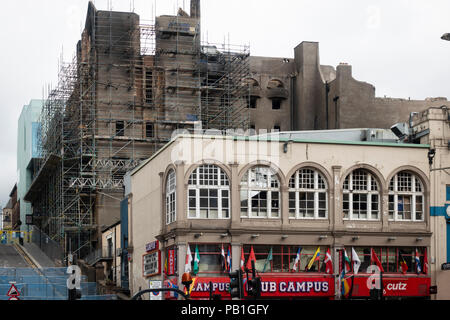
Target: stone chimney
(195,9)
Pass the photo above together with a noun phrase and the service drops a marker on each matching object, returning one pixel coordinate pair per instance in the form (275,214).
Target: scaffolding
(119,100)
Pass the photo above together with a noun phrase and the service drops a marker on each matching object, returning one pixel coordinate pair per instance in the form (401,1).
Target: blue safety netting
(44,284)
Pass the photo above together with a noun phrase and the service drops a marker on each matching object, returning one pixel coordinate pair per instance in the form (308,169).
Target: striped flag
(187,265)
(356,261)
(268,260)
(242,259)
(328,262)
(314,258)
(224,260)
(418,266)
(229,259)
(296,266)
(196,261)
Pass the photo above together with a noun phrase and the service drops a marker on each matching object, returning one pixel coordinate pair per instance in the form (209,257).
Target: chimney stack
(195,9)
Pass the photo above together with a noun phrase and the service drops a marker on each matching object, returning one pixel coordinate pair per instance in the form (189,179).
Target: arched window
(209,193)
(275,83)
(361,197)
(308,197)
(406,197)
(260,193)
(171,185)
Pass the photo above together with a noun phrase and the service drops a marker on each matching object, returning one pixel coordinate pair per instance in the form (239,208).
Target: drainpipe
(327,92)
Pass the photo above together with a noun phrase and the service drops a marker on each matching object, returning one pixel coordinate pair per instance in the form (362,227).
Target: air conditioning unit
(118,252)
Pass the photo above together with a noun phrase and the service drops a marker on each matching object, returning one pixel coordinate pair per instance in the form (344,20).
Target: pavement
(10,258)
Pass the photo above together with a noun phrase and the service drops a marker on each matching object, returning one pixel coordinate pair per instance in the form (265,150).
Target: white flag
(187,266)
(356,262)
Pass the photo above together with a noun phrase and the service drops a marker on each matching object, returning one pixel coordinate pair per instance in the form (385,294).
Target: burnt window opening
(149,130)
(251,102)
(120,128)
(276,104)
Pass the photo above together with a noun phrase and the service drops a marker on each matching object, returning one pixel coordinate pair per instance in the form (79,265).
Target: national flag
(187,265)
(328,262)
(297,260)
(172,285)
(374,258)
(403,265)
(425,262)
(268,260)
(356,261)
(242,259)
(250,259)
(347,262)
(229,259)
(224,260)
(196,261)
(345,286)
(165,265)
(418,266)
(314,258)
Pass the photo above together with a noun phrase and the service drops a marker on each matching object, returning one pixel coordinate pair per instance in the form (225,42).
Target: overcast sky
(394,45)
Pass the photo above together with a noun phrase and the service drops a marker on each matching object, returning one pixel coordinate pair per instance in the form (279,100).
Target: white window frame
(369,192)
(316,190)
(393,184)
(248,187)
(171,197)
(221,184)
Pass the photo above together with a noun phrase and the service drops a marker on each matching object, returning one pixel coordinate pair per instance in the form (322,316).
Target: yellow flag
(315,257)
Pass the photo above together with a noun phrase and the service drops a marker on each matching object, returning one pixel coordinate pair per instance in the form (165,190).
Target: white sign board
(151,264)
(155,285)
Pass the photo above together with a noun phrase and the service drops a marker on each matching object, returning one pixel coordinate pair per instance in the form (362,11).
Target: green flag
(196,261)
(269,258)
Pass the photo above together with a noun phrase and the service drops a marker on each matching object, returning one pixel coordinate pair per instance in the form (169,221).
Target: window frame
(413,195)
(249,188)
(171,197)
(223,185)
(316,190)
(368,192)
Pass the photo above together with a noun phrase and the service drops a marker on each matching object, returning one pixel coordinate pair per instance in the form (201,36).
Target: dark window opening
(276,104)
(149,130)
(251,102)
(120,128)
(276,128)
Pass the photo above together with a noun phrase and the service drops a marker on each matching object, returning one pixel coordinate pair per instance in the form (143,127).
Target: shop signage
(152,246)
(271,286)
(151,264)
(445,266)
(395,286)
(155,285)
(170,262)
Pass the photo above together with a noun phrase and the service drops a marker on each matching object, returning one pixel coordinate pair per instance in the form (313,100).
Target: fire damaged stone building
(131,85)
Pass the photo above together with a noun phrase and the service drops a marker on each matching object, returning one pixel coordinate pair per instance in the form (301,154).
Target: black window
(251,102)
(276,128)
(276,104)
(149,130)
(120,128)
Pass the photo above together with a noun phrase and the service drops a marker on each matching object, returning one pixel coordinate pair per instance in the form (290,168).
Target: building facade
(282,198)
(27,153)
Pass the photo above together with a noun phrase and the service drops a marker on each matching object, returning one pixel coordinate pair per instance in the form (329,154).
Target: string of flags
(350,265)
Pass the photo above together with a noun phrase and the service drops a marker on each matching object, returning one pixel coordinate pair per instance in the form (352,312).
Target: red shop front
(405,286)
(317,286)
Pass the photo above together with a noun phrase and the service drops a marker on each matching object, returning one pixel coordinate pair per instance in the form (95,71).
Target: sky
(394,45)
